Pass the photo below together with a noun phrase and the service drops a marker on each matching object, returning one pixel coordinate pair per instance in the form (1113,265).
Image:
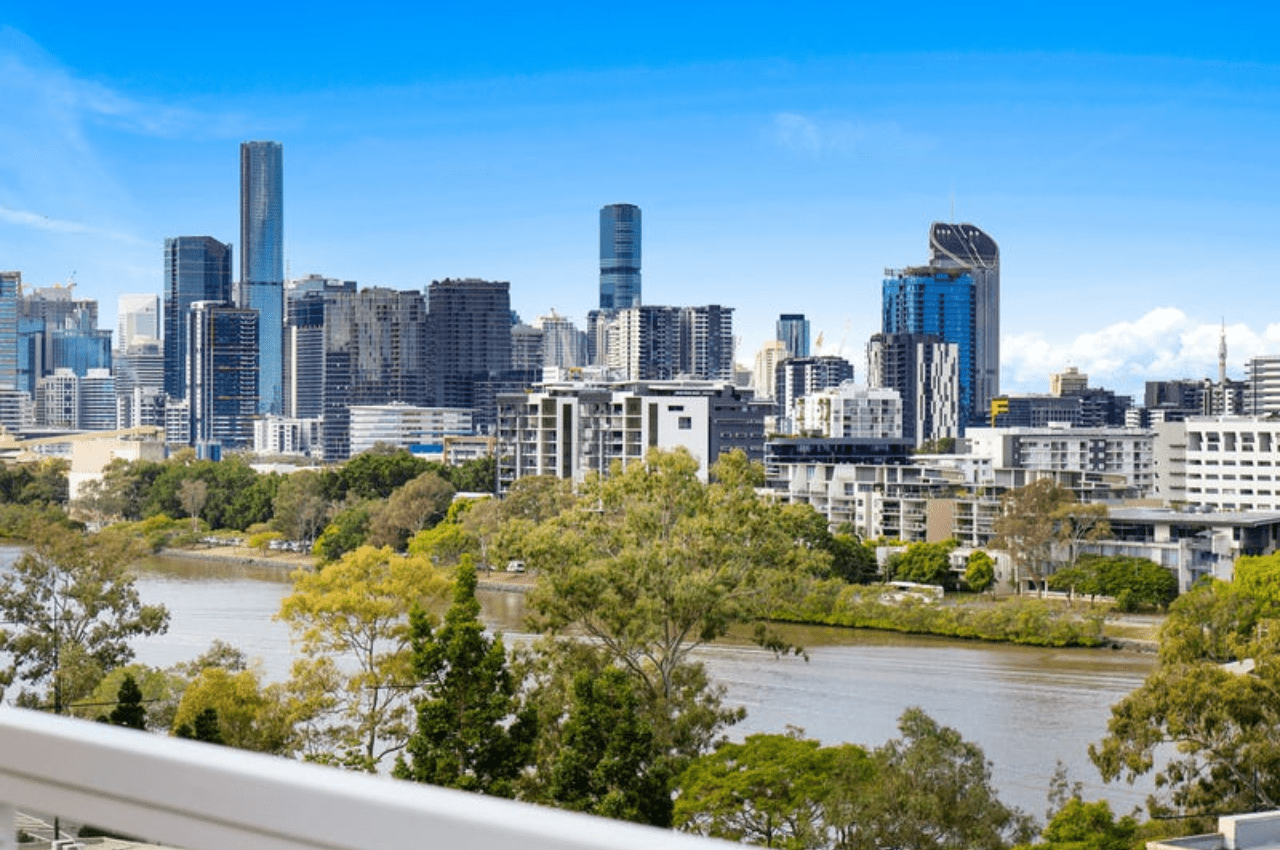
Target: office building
(468,337)
(196,268)
(793,332)
(97,399)
(968,247)
(650,342)
(261,285)
(938,301)
(1219,463)
(137,319)
(526,347)
(306,304)
(10,293)
(222,375)
(375,352)
(925,372)
(56,330)
(1068,382)
(619,256)
(763,376)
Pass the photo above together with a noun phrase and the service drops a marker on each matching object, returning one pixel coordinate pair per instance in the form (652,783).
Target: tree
(926,563)
(205,727)
(129,711)
(379,472)
(74,609)
(652,563)
(772,790)
(933,789)
(1027,529)
(471,732)
(300,509)
(1212,704)
(1133,582)
(852,560)
(608,761)
(357,610)
(416,505)
(193,494)
(979,572)
(345,533)
(1086,826)
(249,716)
(476,476)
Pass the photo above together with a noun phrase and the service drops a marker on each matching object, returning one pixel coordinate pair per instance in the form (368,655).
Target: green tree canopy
(979,571)
(471,731)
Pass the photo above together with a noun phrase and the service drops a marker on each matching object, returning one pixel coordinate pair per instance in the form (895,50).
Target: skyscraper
(468,337)
(793,331)
(138,318)
(619,256)
(966,246)
(10,292)
(262,262)
(925,371)
(938,301)
(222,379)
(196,268)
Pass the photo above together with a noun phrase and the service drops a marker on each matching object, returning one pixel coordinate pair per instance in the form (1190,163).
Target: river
(1027,708)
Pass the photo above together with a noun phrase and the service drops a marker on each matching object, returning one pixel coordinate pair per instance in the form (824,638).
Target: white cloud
(811,136)
(54,225)
(1163,344)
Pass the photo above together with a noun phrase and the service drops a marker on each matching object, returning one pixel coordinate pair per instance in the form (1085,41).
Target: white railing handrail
(207,797)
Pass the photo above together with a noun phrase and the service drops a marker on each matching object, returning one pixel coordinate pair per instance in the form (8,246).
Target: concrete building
(763,374)
(1262,385)
(283,435)
(526,347)
(10,295)
(58,400)
(925,372)
(849,411)
(137,319)
(563,345)
(420,429)
(796,377)
(1219,463)
(1126,452)
(574,429)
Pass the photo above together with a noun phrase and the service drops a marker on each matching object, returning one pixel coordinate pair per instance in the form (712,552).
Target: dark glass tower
(468,337)
(262,261)
(619,256)
(222,374)
(939,301)
(968,247)
(196,268)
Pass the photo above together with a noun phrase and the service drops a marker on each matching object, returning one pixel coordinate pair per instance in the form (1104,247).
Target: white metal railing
(206,797)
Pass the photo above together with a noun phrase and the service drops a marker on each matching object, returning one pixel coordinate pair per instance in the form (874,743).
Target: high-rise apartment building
(306,303)
(925,371)
(222,374)
(261,285)
(196,268)
(619,256)
(938,301)
(773,352)
(793,331)
(650,342)
(563,345)
(968,247)
(375,352)
(796,377)
(468,337)
(10,292)
(1262,385)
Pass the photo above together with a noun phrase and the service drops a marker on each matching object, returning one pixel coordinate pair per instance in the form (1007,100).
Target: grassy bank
(1018,620)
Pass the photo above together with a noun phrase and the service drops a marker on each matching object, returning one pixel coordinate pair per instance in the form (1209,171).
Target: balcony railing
(206,797)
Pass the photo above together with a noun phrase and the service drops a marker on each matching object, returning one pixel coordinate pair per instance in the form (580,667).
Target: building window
(685,423)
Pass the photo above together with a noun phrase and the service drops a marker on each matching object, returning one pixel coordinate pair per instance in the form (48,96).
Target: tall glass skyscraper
(966,246)
(262,262)
(938,301)
(619,256)
(793,331)
(196,268)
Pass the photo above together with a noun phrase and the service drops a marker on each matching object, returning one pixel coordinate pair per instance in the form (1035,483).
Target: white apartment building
(574,429)
(1128,452)
(849,410)
(285,435)
(1219,463)
(406,426)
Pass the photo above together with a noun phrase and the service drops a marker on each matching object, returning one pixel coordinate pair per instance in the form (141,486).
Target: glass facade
(619,256)
(222,374)
(793,331)
(10,284)
(262,262)
(936,301)
(196,268)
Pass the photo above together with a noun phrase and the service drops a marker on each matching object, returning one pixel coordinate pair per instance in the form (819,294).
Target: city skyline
(1125,170)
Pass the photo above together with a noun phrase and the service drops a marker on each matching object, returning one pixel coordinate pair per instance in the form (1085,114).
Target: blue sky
(1123,158)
